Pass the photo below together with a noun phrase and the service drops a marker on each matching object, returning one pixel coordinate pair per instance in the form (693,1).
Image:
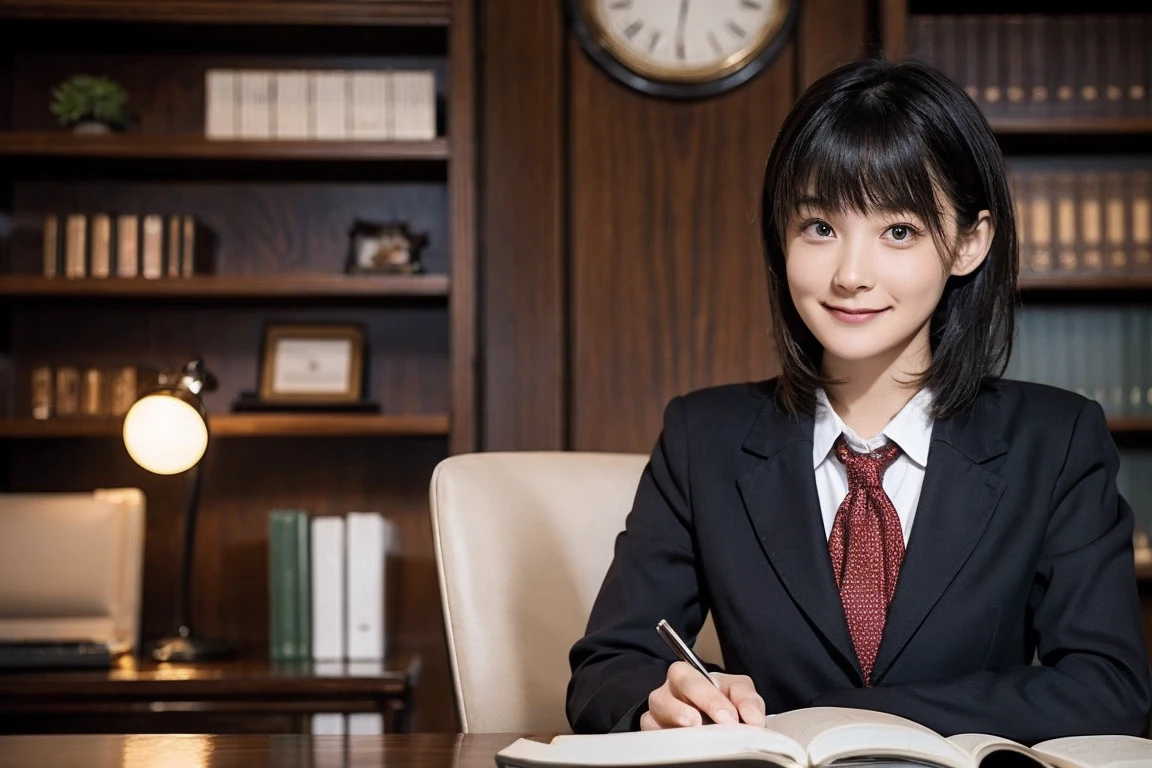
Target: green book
(282,567)
(302,535)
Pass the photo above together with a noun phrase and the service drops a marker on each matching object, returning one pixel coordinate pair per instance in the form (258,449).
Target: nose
(854,267)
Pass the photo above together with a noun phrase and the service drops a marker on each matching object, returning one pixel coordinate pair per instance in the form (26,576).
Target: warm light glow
(164,434)
(177,750)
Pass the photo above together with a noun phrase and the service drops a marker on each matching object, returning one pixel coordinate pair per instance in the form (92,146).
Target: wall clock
(682,48)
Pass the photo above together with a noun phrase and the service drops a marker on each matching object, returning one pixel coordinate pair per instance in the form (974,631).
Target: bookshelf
(281,211)
(191,147)
(1074,126)
(1086,117)
(347,12)
(296,287)
(246,425)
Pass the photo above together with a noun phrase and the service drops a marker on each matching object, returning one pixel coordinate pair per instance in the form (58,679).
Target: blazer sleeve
(653,576)
(1093,675)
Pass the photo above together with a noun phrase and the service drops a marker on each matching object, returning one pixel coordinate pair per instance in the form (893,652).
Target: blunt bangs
(874,137)
(861,156)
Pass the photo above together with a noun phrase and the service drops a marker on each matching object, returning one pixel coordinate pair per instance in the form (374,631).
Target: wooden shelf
(1085,282)
(1130,424)
(326,12)
(298,286)
(1070,125)
(247,425)
(195,147)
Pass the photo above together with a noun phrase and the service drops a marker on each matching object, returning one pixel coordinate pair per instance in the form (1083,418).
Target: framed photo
(313,364)
(384,248)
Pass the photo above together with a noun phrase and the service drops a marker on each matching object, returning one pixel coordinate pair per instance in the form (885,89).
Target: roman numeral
(716,48)
(736,29)
(620,5)
(751,5)
(633,29)
(653,38)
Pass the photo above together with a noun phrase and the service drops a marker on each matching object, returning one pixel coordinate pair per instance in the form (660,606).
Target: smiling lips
(854,316)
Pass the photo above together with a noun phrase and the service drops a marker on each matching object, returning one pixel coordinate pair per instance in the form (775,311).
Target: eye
(818,228)
(903,233)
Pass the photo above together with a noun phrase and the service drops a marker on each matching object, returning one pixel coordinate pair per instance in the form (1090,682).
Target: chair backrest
(522,542)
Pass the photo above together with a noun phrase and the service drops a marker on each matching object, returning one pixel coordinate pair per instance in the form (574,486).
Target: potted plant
(90,104)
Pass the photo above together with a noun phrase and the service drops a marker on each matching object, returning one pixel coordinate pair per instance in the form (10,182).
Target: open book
(824,736)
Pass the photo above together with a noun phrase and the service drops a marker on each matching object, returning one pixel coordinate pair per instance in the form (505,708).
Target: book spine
(220,119)
(127,245)
(328,588)
(53,258)
(302,587)
(365,580)
(282,586)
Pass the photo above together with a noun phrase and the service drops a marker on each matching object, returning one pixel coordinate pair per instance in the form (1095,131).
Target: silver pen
(682,651)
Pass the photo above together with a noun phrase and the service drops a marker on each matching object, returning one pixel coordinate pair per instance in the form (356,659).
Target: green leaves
(86,97)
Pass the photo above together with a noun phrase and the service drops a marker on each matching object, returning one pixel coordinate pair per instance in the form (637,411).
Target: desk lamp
(166,432)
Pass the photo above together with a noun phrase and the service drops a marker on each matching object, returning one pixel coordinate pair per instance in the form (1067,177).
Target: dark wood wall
(620,234)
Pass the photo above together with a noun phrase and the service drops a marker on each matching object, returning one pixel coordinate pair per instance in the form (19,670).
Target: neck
(873,391)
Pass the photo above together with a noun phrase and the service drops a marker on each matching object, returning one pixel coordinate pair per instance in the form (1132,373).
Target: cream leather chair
(523,541)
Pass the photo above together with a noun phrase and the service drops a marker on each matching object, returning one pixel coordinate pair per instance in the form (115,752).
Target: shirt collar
(911,429)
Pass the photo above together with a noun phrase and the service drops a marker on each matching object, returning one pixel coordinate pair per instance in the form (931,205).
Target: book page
(838,733)
(676,746)
(981,745)
(1097,752)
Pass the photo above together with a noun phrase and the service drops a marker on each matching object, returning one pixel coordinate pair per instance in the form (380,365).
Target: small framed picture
(314,364)
(384,248)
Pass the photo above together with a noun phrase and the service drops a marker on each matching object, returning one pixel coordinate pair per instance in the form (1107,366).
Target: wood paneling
(523,224)
(893,22)
(462,199)
(830,33)
(668,285)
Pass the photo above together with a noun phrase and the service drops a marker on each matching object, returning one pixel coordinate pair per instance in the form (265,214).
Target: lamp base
(187,648)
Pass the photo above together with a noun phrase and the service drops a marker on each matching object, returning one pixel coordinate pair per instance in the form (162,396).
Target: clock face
(685,41)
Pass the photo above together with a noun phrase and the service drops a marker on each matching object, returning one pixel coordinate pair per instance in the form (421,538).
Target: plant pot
(91,126)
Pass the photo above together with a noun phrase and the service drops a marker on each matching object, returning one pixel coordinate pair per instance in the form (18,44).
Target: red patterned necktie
(867,548)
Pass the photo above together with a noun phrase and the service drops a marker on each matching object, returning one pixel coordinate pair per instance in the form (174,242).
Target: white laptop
(70,567)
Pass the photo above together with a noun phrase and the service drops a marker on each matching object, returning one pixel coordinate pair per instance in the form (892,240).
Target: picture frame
(384,248)
(312,364)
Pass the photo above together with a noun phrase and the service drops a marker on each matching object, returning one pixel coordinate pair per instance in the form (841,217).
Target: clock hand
(680,29)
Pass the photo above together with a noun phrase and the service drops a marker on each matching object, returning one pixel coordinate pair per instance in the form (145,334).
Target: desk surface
(224,697)
(418,750)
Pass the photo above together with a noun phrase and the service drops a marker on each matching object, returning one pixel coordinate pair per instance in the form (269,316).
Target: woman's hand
(686,698)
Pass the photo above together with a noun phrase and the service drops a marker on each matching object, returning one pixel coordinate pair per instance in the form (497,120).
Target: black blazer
(1021,549)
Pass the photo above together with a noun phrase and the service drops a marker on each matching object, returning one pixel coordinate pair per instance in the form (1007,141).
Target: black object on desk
(17,655)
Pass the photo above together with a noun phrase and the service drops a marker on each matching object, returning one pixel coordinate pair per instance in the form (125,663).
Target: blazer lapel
(956,502)
(780,497)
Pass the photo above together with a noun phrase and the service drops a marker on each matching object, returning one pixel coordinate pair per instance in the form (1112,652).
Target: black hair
(895,137)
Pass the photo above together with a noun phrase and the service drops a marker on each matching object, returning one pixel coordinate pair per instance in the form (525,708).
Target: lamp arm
(184,626)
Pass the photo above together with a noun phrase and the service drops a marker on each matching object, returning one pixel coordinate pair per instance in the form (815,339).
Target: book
(822,736)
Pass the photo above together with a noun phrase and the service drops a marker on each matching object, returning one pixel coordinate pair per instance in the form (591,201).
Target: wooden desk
(222,697)
(416,750)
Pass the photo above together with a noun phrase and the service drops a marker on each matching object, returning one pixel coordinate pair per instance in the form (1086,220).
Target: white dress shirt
(911,429)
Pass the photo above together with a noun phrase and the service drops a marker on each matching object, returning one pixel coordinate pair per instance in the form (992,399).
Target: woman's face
(866,284)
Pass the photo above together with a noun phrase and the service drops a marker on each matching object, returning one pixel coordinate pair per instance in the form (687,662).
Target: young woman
(888,524)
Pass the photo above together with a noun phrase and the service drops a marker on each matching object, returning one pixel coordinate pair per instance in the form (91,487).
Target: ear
(972,247)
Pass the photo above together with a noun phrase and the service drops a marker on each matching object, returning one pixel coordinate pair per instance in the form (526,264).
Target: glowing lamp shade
(165,434)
